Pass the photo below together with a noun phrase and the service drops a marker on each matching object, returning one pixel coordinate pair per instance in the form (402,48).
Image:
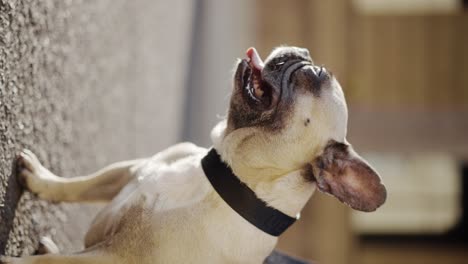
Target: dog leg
(100,186)
(47,246)
(93,255)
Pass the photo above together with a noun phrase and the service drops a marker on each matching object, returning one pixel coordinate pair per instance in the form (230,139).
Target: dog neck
(242,199)
(287,192)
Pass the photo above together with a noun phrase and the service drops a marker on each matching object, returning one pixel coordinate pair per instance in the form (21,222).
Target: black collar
(242,199)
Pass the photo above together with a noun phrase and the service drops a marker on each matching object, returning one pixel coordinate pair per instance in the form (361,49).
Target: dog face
(287,114)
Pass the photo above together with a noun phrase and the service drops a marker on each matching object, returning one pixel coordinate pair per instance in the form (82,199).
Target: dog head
(289,114)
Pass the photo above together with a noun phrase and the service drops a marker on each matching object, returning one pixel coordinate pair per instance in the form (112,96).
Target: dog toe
(28,160)
(47,246)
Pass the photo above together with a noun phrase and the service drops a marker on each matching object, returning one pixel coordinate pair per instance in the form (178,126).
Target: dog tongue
(255,59)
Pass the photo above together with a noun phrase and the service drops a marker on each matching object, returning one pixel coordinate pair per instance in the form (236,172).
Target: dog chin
(218,133)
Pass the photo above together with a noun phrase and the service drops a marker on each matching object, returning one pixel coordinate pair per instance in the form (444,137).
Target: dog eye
(277,65)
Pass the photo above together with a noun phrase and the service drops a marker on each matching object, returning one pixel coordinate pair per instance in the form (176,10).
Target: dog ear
(341,172)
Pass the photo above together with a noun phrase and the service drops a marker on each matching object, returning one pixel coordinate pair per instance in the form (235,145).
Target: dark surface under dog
(280,258)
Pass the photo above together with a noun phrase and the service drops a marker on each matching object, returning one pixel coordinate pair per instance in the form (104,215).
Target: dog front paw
(33,176)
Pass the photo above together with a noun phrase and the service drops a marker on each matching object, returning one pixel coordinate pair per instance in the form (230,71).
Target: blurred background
(86,83)
(404,68)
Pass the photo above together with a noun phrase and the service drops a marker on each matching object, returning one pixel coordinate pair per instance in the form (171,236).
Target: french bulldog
(284,137)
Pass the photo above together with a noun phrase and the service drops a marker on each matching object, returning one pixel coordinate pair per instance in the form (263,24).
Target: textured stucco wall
(82,84)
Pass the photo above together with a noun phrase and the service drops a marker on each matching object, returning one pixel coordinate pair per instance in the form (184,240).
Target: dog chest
(168,211)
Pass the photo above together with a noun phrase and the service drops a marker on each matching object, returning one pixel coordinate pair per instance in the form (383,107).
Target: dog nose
(312,78)
(319,71)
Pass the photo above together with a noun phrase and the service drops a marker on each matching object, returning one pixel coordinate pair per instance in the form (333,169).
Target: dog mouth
(255,88)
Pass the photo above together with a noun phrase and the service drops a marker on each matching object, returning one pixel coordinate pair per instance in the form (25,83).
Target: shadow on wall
(12,192)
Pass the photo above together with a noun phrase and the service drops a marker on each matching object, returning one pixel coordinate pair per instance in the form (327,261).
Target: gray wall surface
(224,29)
(83,84)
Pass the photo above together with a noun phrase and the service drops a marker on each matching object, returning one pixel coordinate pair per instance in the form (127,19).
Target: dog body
(284,137)
(169,212)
